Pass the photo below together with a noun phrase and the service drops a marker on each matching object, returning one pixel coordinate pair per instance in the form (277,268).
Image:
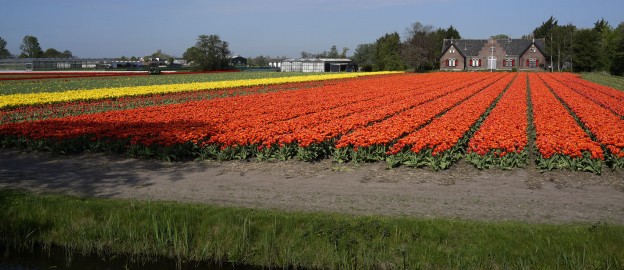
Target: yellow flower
(16,100)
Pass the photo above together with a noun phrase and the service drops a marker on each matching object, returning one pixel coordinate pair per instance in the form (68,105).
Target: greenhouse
(318,65)
(43,64)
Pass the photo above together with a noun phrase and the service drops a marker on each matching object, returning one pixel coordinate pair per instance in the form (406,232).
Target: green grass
(616,82)
(55,85)
(311,240)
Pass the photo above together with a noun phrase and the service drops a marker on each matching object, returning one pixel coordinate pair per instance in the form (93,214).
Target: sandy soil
(460,192)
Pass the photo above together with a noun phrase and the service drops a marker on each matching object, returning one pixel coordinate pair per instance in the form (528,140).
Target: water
(58,259)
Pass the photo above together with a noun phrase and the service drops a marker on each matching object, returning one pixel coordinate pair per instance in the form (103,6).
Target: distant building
(492,54)
(318,65)
(238,60)
(43,64)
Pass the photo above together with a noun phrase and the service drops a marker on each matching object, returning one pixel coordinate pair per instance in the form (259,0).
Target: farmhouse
(317,65)
(492,54)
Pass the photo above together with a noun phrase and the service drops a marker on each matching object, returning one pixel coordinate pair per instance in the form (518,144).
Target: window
(451,62)
(452,49)
(533,49)
(532,63)
(509,62)
(475,62)
(492,49)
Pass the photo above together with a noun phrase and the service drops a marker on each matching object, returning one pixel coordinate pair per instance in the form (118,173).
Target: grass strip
(191,232)
(616,82)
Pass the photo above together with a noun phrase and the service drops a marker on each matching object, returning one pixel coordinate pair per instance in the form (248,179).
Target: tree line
(30,48)
(600,48)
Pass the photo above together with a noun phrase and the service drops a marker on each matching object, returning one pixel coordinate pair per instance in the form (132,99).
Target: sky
(115,28)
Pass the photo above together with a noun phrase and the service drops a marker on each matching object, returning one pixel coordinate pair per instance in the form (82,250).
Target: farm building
(318,65)
(238,60)
(492,54)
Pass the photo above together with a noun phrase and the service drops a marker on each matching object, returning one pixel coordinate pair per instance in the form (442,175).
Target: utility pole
(551,51)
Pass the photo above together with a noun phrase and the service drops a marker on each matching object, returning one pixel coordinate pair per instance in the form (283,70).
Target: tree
(364,56)
(452,33)
(617,66)
(30,48)
(67,54)
(258,61)
(343,54)
(501,36)
(52,53)
(4,52)
(333,52)
(585,50)
(387,53)
(161,55)
(419,48)
(209,53)
(606,44)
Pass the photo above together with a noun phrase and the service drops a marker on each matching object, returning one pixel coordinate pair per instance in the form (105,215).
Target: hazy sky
(112,28)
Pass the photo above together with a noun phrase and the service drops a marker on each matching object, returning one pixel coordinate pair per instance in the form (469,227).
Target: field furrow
(445,131)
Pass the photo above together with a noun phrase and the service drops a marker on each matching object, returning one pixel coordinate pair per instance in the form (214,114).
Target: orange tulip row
(413,112)
(383,133)
(606,97)
(556,130)
(445,131)
(505,129)
(604,124)
(389,97)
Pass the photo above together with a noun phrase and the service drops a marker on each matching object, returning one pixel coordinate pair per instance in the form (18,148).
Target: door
(491,62)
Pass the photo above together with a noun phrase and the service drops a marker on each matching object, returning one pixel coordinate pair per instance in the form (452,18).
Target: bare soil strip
(369,189)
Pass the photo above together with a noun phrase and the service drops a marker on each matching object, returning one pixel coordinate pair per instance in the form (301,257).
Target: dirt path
(461,192)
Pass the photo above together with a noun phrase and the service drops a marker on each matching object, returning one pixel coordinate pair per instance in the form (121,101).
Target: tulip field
(505,120)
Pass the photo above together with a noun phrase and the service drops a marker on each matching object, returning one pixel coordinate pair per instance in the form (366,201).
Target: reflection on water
(57,259)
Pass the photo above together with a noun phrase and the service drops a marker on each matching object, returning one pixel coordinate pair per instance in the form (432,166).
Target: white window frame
(452,49)
(475,62)
(452,62)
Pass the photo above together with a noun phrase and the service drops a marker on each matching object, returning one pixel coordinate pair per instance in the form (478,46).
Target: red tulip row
(605,125)
(609,101)
(11,76)
(385,132)
(444,132)
(505,129)
(556,130)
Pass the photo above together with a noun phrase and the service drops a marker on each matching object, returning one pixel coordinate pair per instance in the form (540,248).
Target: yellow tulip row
(16,100)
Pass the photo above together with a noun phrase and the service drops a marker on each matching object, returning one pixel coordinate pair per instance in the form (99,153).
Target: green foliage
(617,66)
(364,54)
(387,53)
(30,48)
(495,159)
(4,52)
(585,50)
(209,53)
(557,161)
(272,239)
